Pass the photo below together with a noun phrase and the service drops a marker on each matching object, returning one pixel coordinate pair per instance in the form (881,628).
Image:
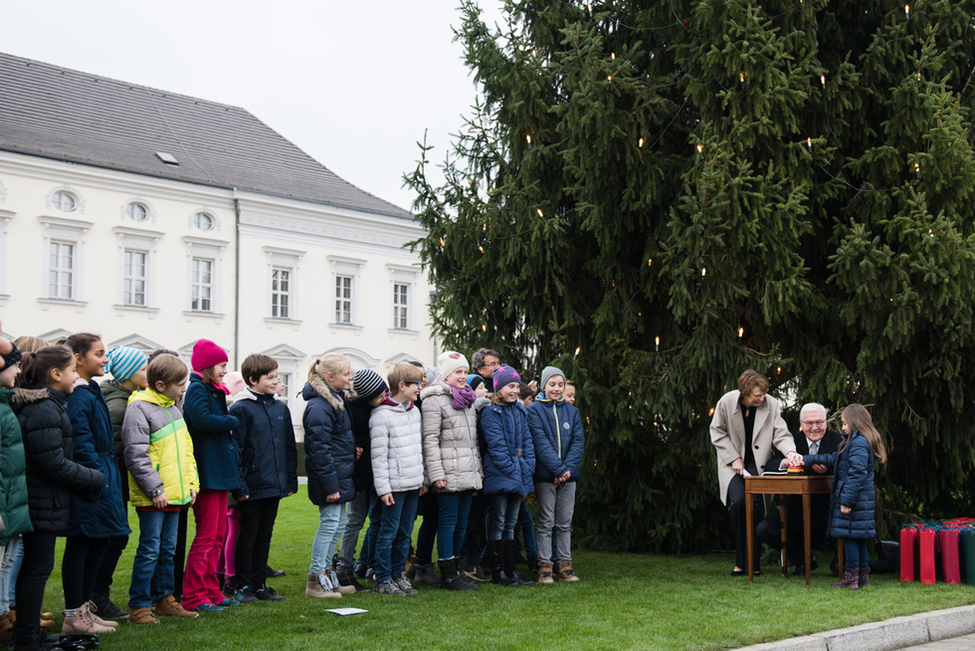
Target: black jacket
(52,474)
(329,445)
(268,460)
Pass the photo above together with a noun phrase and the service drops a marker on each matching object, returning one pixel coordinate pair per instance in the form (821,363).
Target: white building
(155,219)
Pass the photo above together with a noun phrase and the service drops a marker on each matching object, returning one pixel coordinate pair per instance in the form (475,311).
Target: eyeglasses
(417,383)
(814,423)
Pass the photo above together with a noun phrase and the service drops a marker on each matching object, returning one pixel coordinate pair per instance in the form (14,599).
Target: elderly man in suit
(747,424)
(814,438)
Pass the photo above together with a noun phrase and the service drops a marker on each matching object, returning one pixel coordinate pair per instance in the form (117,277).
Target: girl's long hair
(858,418)
(36,367)
(81,342)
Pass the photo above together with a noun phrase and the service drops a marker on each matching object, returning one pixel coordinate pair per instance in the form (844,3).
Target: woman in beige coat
(452,459)
(746,425)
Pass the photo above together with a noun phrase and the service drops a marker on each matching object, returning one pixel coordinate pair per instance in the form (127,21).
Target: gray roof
(67,115)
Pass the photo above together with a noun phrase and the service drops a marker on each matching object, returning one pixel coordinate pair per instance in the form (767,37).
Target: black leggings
(82,558)
(34,572)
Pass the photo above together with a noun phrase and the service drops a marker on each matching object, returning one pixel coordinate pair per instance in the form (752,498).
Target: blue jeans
(368,554)
(331,524)
(503,509)
(454,508)
(395,530)
(527,530)
(855,554)
(152,570)
(11,555)
(356,517)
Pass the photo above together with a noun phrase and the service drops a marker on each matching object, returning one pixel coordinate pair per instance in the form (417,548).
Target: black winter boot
(508,576)
(495,559)
(450,578)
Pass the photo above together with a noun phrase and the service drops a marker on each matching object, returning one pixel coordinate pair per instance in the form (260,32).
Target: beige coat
(450,449)
(728,436)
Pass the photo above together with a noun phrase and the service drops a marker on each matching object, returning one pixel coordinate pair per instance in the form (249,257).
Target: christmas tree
(659,195)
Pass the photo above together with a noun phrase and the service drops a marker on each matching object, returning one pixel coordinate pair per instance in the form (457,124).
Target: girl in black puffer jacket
(52,476)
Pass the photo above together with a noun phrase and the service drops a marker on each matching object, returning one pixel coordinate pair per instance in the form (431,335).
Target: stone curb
(887,635)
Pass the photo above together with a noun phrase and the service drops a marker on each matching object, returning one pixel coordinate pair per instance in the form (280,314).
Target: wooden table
(782,485)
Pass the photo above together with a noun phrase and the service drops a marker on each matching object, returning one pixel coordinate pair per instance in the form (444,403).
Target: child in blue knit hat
(509,462)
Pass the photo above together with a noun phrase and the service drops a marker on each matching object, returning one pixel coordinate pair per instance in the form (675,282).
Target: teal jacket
(13,477)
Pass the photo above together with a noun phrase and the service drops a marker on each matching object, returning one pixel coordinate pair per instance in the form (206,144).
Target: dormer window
(64,201)
(169,159)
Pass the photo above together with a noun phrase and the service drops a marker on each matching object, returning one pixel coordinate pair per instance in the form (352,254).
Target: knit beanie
(432,374)
(12,357)
(368,384)
(548,373)
(450,361)
(124,362)
(474,381)
(207,354)
(505,375)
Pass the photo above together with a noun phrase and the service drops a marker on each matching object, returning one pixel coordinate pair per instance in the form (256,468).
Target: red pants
(200,583)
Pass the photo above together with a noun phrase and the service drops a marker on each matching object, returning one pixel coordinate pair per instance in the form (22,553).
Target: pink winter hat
(207,354)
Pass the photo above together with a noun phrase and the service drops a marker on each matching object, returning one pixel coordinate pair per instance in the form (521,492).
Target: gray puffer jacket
(395,436)
(450,441)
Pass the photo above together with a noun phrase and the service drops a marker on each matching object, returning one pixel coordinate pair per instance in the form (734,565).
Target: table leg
(784,537)
(807,534)
(749,524)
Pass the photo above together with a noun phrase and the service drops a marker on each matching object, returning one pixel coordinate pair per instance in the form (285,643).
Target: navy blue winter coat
(509,460)
(211,427)
(94,447)
(852,487)
(268,459)
(52,475)
(329,444)
(557,437)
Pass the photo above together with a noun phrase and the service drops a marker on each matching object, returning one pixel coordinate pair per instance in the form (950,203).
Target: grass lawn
(623,601)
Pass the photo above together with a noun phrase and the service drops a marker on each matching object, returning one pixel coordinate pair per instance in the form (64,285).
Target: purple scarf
(462,398)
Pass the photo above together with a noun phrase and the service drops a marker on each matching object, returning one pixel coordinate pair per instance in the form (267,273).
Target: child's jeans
(368,554)
(356,517)
(855,554)
(152,570)
(7,579)
(527,526)
(556,503)
(503,509)
(454,508)
(331,524)
(395,531)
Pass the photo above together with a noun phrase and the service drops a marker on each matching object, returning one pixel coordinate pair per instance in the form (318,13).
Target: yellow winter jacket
(158,450)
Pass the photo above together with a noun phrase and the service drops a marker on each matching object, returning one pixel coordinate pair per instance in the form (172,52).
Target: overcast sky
(353,84)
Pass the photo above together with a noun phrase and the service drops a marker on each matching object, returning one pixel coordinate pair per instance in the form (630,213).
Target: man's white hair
(813,406)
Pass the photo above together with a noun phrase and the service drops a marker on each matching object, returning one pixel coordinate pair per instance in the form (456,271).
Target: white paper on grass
(346,611)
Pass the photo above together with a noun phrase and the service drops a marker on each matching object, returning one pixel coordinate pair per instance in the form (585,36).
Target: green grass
(623,601)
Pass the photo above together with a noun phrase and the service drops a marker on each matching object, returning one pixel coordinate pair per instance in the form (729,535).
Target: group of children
(168,439)
(373,449)
(75,450)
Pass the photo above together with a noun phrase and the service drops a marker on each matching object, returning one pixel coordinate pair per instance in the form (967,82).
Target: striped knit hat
(124,362)
(368,384)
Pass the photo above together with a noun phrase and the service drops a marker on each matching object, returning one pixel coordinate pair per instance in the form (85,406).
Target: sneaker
(245,595)
(275,574)
(388,587)
(206,607)
(265,593)
(370,574)
(229,603)
(404,584)
(359,571)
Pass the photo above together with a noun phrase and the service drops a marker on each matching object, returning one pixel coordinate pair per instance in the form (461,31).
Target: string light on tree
(822,81)
(741,78)
(907,12)
(917,170)
(809,144)
(700,152)
(656,344)
(640,143)
(704,272)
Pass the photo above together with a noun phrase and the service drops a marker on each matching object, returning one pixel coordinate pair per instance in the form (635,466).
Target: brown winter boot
(169,607)
(850,580)
(864,579)
(6,626)
(141,616)
(545,572)
(564,570)
(316,587)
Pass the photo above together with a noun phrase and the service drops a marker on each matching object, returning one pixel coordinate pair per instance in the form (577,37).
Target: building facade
(156,219)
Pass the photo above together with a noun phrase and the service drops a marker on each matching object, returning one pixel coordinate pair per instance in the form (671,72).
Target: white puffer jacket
(395,435)
(450,442)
